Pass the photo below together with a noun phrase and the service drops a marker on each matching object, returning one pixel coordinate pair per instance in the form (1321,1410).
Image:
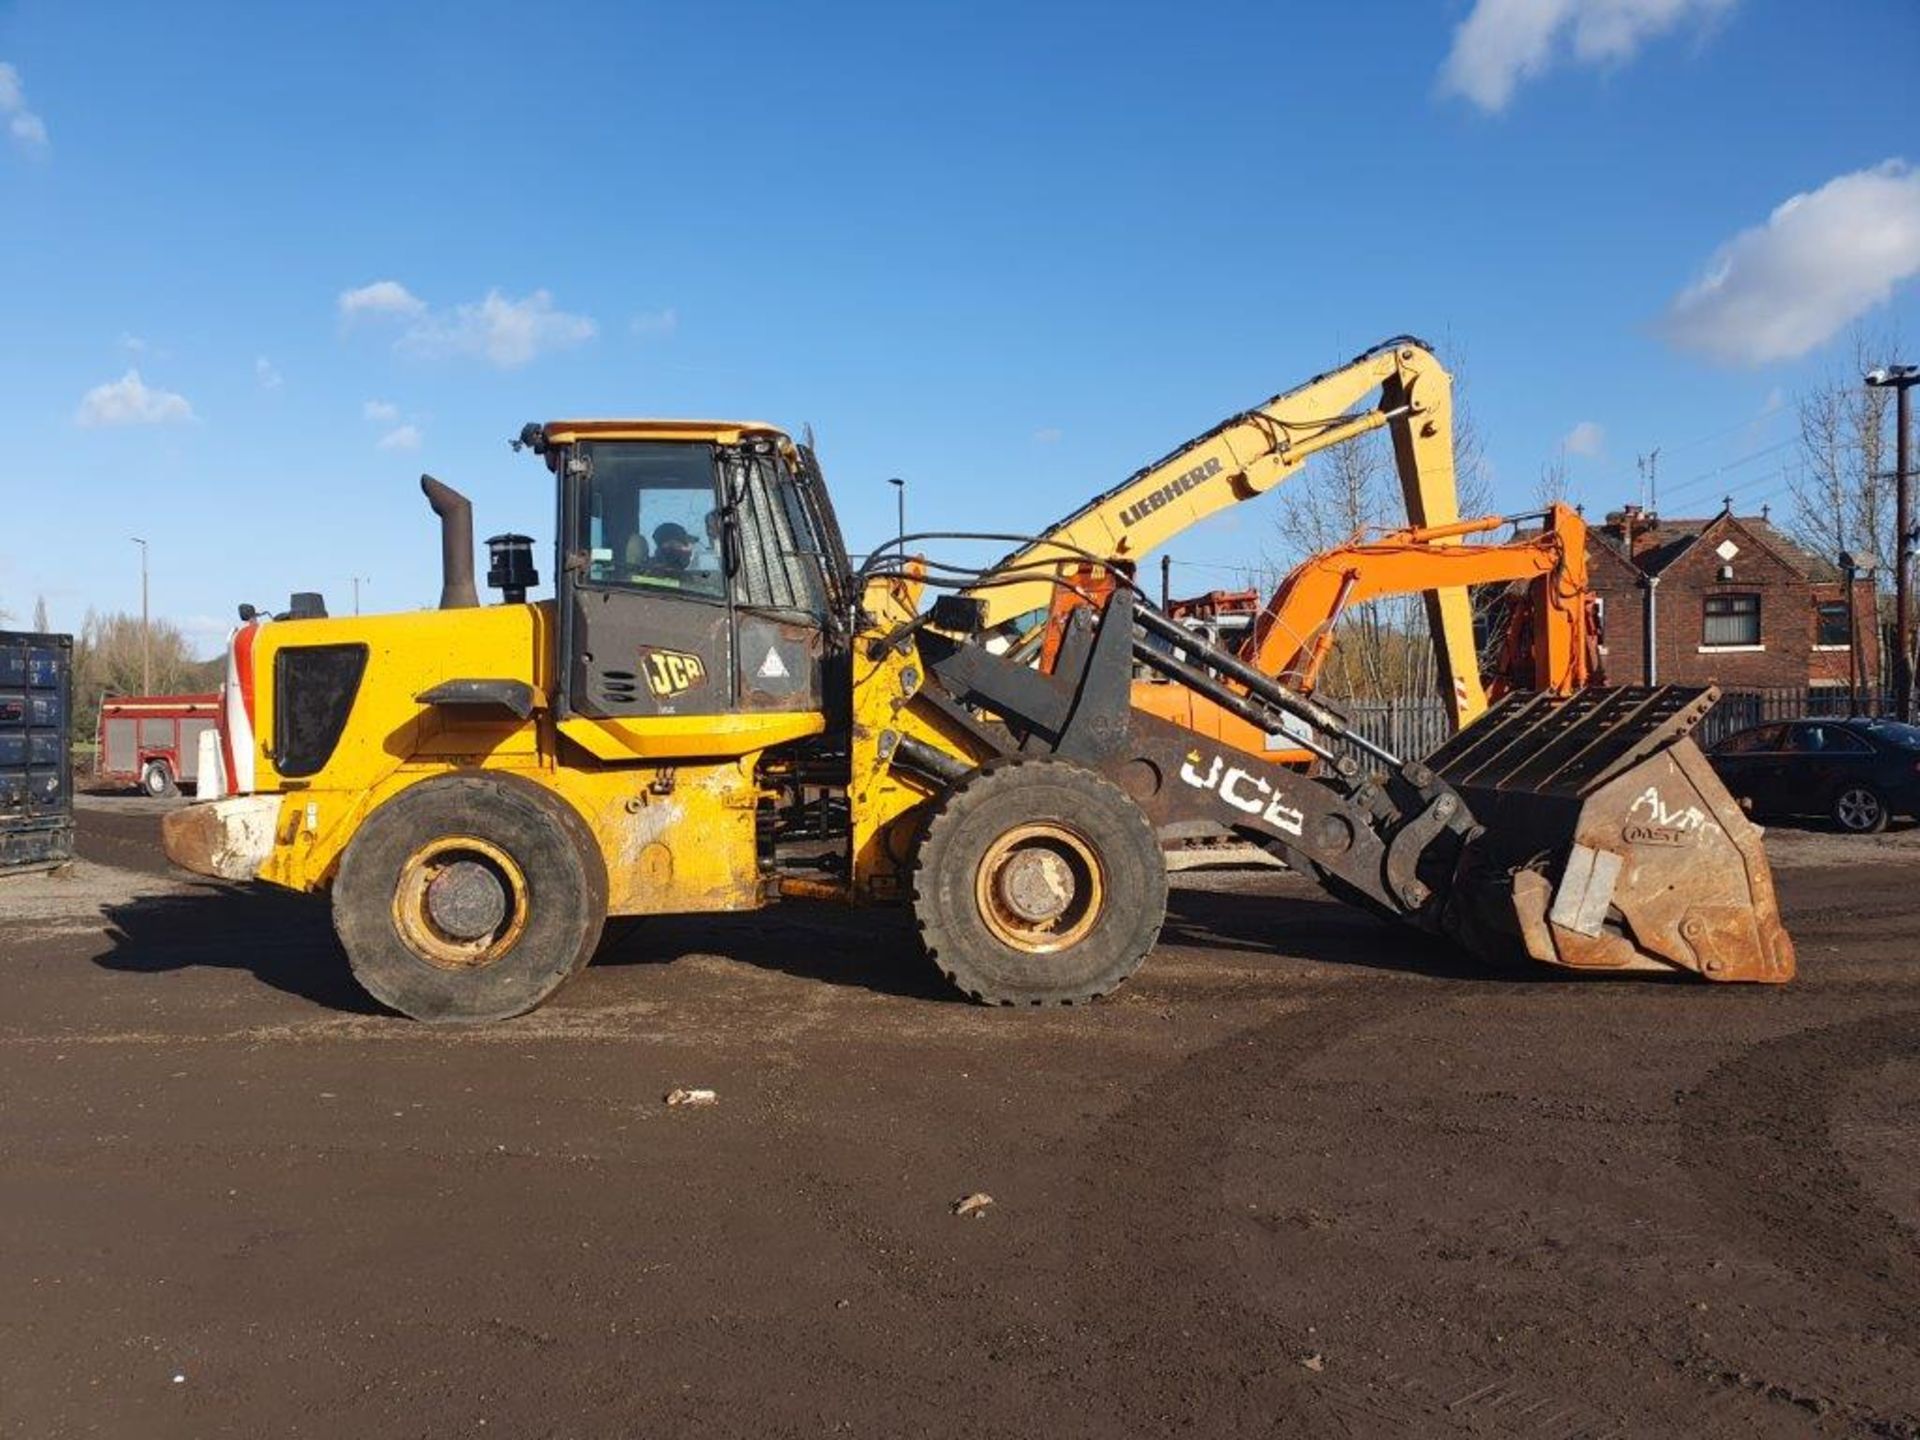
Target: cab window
(779,560)
(651,517)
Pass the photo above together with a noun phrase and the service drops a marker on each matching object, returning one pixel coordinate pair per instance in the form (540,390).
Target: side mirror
(959,614)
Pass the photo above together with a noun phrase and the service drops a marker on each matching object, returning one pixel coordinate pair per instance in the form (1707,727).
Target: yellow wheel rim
(460,903)
(1040,887)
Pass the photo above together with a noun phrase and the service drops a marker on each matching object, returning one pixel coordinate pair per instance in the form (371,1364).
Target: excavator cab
(701,572)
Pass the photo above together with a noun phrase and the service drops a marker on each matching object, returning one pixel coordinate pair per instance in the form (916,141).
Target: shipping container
(153,741)
(36,767)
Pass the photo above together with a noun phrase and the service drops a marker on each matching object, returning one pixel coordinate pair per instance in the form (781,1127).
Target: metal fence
(1410,725)
(1740,708)
(1415,725)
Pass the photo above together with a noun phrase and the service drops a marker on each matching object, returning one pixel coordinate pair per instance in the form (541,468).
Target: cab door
(782,593)
(647,625)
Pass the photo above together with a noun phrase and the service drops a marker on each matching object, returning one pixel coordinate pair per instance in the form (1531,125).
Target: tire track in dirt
(1221,1363)
(1201,1357)
(1759,1144)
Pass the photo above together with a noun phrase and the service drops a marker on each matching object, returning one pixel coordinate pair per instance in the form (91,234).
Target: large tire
(1038,883)
(470,898)
(156,779)
(1859,810)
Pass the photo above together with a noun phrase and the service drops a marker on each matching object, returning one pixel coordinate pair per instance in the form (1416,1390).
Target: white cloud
(656,324)
(498,329)
(28,130)
(1822,259)
(382,297)
(132,344)
(266,374)
(402,437)
(131,401)
(380,410)
(1047,435)
(503,332)
(1502,42)
(1586,438)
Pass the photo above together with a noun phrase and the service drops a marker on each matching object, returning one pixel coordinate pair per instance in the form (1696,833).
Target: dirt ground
(1306,1176)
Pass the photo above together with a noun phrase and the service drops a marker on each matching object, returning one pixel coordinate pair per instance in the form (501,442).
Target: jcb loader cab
(716,712)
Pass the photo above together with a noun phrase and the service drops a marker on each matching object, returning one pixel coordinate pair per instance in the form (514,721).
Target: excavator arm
(1549,640)
(1250,453)
(1293,635)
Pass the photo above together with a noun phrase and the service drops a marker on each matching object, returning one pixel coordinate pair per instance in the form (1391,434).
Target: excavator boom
(1247,455)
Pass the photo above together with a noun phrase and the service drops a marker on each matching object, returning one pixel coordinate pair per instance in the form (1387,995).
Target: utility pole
(1900,379)
(356,592)
(146,629)
(1166,581)
(900,505)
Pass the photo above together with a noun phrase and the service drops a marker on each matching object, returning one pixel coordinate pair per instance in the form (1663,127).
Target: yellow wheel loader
(717,712)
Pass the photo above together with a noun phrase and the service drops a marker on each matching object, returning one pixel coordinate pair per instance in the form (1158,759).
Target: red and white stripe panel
(236,720)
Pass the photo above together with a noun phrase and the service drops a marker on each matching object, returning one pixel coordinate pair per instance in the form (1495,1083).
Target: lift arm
(1247,455)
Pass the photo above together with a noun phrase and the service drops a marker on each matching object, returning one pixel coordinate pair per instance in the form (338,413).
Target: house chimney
(1635,526)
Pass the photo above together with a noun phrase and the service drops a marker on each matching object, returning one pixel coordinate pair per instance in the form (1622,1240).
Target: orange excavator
(1547,627)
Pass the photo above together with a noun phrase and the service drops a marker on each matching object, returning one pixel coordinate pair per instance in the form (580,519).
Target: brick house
(1728,600)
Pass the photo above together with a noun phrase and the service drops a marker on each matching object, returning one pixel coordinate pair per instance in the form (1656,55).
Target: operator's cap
(670,533)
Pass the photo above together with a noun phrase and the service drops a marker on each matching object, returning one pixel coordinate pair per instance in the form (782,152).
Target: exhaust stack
(456,544)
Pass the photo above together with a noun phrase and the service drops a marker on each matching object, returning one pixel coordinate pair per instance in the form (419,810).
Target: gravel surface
(1306,1176)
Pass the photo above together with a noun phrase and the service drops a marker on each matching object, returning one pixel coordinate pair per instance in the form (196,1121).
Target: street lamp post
(146,631)
(1900,379)
(1850,573)
(900,510)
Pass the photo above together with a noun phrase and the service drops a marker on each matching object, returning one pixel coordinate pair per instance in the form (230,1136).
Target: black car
(1858,772)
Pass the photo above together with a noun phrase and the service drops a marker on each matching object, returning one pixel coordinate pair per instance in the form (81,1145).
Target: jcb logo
(1243,790)
(671,671)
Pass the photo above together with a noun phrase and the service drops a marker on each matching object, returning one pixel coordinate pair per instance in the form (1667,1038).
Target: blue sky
(1009,252)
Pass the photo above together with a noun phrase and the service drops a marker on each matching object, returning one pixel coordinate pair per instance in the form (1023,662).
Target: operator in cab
(672,547)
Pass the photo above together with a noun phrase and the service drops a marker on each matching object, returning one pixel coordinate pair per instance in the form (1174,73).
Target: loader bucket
(1608,841)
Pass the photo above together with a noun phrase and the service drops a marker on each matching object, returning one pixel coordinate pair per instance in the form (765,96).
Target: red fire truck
(153,741)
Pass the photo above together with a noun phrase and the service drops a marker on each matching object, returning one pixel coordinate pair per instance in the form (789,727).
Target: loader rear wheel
(469,898)
(1038,883)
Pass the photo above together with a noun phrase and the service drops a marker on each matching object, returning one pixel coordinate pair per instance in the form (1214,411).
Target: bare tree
(1472,473)
(106,661)
(1842,497)
(40,621)
(1552,488)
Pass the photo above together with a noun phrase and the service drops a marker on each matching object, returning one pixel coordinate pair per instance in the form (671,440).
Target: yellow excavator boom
(1250,453)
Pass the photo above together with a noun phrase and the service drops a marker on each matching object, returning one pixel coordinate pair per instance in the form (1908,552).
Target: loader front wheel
(1038,883)
(469,898)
